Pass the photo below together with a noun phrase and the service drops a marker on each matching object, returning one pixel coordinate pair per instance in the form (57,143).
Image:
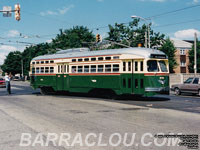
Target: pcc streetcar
(135,71)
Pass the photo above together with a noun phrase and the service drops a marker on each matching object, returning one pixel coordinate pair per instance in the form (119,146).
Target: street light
(148,30)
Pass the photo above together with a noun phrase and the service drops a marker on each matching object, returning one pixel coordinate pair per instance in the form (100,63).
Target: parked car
(16,78)
(191,85)
(2,82)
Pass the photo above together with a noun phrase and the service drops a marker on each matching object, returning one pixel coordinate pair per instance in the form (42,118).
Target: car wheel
(177,91)
(198,92)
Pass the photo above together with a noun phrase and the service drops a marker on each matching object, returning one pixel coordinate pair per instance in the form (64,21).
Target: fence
(180,78)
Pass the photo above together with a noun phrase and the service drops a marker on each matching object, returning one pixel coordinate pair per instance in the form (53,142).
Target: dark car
(2,82)
(191,85)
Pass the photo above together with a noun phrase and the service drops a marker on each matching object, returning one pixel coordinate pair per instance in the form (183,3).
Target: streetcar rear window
(163,66)
(152,66)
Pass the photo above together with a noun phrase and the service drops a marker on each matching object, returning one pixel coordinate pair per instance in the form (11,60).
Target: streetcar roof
(141,52)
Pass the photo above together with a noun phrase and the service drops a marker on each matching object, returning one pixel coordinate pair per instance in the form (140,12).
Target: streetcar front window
(163,66)
(152,66)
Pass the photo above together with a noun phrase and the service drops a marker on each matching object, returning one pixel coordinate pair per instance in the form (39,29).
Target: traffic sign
(7,11)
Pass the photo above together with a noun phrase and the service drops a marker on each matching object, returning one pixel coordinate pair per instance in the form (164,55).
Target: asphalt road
(27,111)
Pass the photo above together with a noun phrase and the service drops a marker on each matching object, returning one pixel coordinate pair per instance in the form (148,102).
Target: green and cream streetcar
(135,71)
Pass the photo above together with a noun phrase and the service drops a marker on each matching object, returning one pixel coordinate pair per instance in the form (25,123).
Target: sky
(42,19)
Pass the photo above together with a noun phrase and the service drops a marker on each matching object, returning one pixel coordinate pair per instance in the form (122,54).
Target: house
(182,55)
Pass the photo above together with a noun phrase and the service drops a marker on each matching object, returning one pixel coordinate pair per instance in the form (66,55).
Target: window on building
(182,51)
(183,63)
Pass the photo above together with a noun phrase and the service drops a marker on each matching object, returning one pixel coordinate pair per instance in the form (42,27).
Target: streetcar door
(66,76)
(127,77)
(138,77)
(60,77)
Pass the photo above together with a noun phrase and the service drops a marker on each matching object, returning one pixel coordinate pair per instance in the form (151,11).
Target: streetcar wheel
(177,91)
(43,91)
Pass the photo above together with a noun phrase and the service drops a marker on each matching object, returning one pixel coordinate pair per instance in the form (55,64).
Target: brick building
(182,49)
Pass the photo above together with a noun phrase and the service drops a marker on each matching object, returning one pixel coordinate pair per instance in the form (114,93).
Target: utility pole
(22,65)
(195,54)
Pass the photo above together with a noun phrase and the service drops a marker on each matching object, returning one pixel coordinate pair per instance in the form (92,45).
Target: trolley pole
(195,54)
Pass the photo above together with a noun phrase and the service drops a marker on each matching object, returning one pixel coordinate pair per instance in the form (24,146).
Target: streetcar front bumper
(161,90)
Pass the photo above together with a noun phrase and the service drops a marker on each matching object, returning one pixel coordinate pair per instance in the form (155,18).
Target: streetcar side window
(100,58)
(46,69)
(108,58)
(80,59)
(100,68)
(33,70)
(73,69)
(136,66)
(93,68)
(37,62)
(86,69)
(124,66)
(46,62)
(107,68)
(80,69)
(42,70)
(115,67)
(42,62)
(129,66)
(86,59)
(73,60)
(65,69)
(93,59)
(115,57)
(51,61)
(37,70)
(152,66)
(51,69)
(141,66)
(58,68)
(33,63)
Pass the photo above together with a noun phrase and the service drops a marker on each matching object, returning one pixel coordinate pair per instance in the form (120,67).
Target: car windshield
(163,66)
(152,66)
(189,80)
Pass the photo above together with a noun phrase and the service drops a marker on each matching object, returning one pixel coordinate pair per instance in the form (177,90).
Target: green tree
(75,37)
(169,49)
(132,35)
(12,63)
(191,58)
